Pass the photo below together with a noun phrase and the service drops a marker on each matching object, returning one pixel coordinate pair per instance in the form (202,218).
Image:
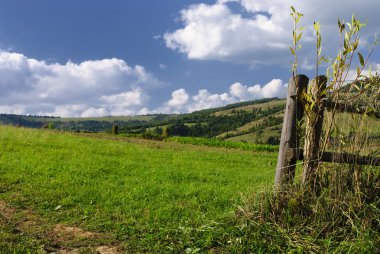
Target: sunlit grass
(144,194)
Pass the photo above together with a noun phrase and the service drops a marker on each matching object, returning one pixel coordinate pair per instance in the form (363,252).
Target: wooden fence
(290,150)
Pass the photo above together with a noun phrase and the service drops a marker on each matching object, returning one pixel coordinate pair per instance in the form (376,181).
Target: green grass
(272,131)
(213,142)
(166,197)
(263,106)
(150,196)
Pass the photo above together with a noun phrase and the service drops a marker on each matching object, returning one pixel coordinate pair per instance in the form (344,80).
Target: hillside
(252,121)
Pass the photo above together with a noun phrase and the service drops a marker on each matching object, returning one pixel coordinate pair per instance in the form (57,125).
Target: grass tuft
(330,221)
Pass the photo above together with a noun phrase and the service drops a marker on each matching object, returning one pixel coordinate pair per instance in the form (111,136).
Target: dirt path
(56,238)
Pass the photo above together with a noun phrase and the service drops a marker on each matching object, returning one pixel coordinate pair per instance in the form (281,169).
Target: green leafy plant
(297,35)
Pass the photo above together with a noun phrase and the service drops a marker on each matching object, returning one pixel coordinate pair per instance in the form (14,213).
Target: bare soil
(57,238)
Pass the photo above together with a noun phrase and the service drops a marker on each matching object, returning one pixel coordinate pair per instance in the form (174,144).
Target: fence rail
(289,149)
(341,107)
(345,158)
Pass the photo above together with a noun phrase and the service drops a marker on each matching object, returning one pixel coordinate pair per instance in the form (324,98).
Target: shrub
(115,129)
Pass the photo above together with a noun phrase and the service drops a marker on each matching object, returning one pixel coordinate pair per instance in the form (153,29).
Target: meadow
(214,142)
(145,196)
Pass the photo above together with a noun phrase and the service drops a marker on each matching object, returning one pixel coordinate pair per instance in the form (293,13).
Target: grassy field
(247,127)
(263,106)
(221,143)
(253,137)
(142,196)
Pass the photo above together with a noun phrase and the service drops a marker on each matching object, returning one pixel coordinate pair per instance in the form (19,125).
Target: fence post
(314,108)
(289,143)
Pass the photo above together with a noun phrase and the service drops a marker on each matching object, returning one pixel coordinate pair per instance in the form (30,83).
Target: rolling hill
(256,121)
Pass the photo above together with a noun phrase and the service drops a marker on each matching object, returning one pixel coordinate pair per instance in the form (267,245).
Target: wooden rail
(345,158)
(341,107)
(315,104)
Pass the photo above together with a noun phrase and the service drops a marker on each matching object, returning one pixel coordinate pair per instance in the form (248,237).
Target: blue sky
(117,57)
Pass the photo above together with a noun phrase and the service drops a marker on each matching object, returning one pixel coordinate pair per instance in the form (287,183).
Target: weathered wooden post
(314,108)
(289,142)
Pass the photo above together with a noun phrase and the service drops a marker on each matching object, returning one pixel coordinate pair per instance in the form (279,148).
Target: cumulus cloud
(274,88)
(179,98)
(213,32)
(102,87)
(182,102)
(90,88)
(261,31)
(204,99)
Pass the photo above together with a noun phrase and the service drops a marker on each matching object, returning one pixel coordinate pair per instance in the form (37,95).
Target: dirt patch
(58,238)
(107,250)
(64,237)
(67,232)
(6,212)
(97,250)
(74,251)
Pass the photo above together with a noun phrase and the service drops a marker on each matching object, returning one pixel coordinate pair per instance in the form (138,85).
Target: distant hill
(256,121)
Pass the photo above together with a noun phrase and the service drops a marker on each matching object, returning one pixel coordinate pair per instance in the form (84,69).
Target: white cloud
(125,99)
(163,67)
(372,69)
(182,102)
(179,98)
(213,32)
(177,104)
(226,1)
(90,112)
(102,87)
(90,88)
(275,88)
(204,99)
(157,37)
(73,110)
(125,103)
(261,32)
(14,109)
(240,91)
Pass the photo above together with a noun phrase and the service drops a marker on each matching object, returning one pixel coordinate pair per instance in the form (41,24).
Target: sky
(79,58)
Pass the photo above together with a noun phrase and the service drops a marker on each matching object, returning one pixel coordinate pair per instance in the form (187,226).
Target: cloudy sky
(127,57)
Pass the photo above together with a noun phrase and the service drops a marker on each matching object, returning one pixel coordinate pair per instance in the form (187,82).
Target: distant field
(251,125)
(273,131)
(225,144)
(148,196)
(263,106)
